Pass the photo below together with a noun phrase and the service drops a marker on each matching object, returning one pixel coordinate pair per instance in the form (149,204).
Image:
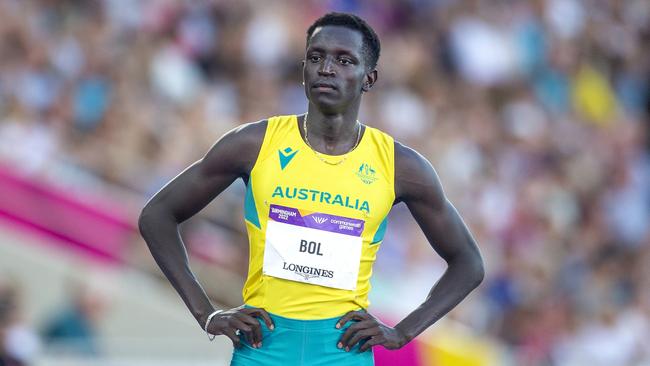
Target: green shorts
(296,342)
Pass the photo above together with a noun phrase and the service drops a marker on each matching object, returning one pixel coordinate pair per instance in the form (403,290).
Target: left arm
(417,185)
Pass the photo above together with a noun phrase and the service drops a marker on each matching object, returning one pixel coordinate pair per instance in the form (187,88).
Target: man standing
(319,188)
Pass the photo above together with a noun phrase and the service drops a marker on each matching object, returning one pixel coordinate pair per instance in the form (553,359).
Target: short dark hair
(371,46)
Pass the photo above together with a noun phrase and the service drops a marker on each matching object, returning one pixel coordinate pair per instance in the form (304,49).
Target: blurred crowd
(534,113)
(18,341)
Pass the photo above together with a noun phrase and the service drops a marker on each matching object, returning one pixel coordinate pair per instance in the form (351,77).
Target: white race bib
(316,248)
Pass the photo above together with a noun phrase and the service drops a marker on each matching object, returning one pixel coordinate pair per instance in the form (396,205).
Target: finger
(244,328)
(265,315)
(244,316)
(373,341)
(360,335)
(356,315)
(352,330)
(230,333)
(254,324)
(257,335)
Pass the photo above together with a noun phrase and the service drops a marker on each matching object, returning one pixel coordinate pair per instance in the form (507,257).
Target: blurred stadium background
(535,114)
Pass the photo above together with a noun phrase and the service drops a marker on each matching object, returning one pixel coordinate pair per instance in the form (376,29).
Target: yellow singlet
(314,228)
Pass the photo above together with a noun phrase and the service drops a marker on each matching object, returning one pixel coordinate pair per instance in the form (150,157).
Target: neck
(332,128)
(331,134)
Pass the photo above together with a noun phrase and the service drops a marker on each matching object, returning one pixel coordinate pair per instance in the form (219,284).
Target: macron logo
(285,156)
(319,220)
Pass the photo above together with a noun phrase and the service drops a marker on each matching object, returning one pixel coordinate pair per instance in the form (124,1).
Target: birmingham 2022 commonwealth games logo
(319,220)
(366,173)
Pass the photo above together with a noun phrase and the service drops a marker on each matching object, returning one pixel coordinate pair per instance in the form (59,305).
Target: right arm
(232,157)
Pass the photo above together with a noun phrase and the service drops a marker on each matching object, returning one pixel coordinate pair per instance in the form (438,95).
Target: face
(334,69)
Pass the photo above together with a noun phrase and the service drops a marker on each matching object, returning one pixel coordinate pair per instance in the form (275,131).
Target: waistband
(299,324)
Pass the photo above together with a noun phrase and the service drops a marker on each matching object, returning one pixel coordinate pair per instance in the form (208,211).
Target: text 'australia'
(314,195)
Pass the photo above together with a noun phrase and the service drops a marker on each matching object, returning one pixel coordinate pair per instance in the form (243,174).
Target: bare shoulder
(237,150)
(415,177)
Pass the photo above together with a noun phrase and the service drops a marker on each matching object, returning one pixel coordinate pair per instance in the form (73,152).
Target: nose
(326,67)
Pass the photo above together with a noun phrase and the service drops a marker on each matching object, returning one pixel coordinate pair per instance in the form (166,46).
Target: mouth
(323,86)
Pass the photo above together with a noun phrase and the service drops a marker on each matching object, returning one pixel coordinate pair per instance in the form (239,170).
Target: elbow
(478,272)
(155,216)
(144,220)
(150,216)
(471,268)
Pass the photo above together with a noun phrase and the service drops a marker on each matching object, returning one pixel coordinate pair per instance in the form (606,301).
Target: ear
(370,80)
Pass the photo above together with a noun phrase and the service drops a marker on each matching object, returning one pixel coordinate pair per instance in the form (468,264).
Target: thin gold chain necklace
(319,155)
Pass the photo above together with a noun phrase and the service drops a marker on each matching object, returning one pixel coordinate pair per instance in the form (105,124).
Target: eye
(345,61)
(314,58)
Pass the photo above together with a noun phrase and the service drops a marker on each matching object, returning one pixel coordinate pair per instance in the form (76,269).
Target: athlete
(318,189)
